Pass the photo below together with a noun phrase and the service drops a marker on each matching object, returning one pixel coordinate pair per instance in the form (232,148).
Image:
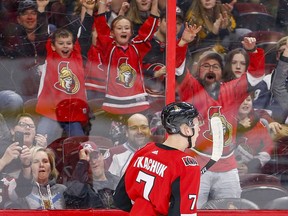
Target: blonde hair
(51,157)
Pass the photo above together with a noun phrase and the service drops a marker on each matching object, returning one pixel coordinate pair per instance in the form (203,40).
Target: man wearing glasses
(211,98)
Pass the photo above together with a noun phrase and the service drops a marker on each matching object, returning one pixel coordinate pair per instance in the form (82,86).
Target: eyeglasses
(215,67)
(25,125)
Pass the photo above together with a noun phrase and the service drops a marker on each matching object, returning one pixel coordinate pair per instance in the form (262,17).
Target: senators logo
(227,127)
(126,75)
(67,80)
(189,161)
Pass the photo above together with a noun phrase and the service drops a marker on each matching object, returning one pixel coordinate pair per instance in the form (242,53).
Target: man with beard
(138,134)
(213,98)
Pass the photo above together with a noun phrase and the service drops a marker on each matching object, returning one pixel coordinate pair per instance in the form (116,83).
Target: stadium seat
(251,179)
(243,8)
(278,204)
(261,195)
(254,17)
(230,203)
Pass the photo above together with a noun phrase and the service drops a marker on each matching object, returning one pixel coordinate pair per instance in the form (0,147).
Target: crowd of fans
(65,55)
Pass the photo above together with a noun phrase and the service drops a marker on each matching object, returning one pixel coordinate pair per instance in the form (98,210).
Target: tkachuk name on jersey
(150,165)
(189,161)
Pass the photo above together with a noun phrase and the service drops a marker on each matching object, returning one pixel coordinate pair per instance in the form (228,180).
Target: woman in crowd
(216,20)
(46,193)
(255,144)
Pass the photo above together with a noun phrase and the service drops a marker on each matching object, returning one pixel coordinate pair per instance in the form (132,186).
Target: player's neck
(176,141)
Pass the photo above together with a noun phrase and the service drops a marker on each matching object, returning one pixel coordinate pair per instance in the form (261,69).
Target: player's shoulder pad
(189,161)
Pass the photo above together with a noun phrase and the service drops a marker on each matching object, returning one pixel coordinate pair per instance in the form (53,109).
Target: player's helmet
(178,113)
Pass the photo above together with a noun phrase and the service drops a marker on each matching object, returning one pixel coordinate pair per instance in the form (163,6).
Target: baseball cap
(25,5)
(92,147)
(89,145)
(179,14)
(210,55)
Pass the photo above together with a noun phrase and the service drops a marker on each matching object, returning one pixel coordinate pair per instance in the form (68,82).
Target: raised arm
(256,69)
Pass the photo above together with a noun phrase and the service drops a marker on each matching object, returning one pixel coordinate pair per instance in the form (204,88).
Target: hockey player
(161,179)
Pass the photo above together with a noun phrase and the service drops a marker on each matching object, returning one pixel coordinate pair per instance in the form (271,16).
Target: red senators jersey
(160,181)
(231,95)
(255,141)
(125,91)
(62,86)
(95,76)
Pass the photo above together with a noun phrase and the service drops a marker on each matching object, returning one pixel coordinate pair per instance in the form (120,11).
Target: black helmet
(177,113)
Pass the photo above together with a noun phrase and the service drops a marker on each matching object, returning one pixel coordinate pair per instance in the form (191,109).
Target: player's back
(157,176)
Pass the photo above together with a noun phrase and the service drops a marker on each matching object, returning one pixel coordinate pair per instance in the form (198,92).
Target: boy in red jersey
(62,94)
(161,179)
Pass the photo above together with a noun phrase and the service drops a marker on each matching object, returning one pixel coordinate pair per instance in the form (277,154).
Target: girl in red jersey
(122,59)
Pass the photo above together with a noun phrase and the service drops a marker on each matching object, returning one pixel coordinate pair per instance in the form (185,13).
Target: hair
(228,75)
(51,156)
(134,13)
(78,7)
(21,115)
(118,18)
(281,42)
(61,33)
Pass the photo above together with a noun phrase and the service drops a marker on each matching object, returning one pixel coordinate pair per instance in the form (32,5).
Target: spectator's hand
(275,127)
(189,33)
(11,153)
(25,156)
(84,154)
(160,72)
(154,8)
(246,122)
(41,5)
(217,25)
(229,6)
(41,140)
(225,20)
(249,43)
(124,8)
(242,169)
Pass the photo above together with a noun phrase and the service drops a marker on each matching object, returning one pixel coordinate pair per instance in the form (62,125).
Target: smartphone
(19,137)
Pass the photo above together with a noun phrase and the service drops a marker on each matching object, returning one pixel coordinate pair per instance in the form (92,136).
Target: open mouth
(90,2)
(210,76)
(65,52)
